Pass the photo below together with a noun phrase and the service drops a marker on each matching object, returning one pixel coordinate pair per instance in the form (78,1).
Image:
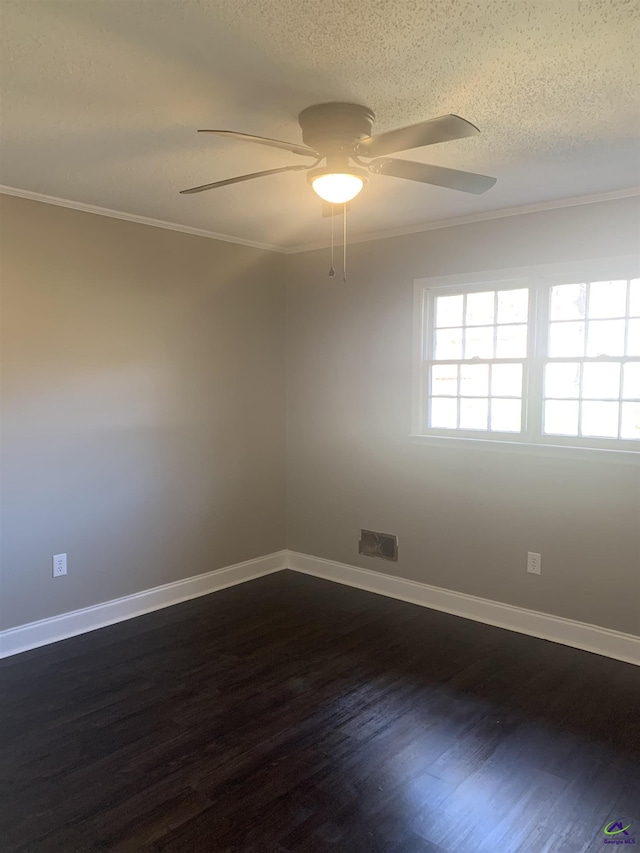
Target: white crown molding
(310,247)
(502,213)
(568,632)
(45,631)
(133,217)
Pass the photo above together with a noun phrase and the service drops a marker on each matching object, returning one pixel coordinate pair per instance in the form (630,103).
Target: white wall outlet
(59,565)
(534,563)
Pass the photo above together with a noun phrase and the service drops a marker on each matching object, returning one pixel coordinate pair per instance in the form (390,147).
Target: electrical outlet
(534,563)
(59,565)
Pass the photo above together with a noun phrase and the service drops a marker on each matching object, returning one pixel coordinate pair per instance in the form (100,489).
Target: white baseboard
(580,635)
(45,631)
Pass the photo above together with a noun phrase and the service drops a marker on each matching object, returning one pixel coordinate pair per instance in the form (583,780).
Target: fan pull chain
(344,243)
(332,272)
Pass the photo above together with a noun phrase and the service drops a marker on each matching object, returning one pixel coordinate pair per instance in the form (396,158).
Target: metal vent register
(383,545)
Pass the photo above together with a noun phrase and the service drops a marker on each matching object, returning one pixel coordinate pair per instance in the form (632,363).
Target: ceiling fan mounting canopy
(331,127)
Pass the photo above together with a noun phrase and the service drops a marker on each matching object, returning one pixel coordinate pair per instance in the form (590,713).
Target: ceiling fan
(339,133)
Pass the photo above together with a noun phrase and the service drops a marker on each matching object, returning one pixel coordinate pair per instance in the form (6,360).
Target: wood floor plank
(291,714)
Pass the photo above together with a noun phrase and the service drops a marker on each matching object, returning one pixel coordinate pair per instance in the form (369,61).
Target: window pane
(444,380)
(474,380)
(631,380)
(444,412)
(448,343)
(562,380)
(513,305)
(568,301)
(608,299)
(511,342)
(560,417)
(566,339)
(449,310)
(506,380)
(605,337)
(633,338)
(634,298)
(601,381)
(479,342)
(480,308)
(506,415)
(630,421)
(473,414)
(600,420)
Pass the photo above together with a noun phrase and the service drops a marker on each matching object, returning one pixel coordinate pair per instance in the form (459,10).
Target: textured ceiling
(101,100)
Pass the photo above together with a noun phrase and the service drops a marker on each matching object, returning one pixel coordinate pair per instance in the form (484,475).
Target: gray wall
(143,422)
(142,407)
(465,517)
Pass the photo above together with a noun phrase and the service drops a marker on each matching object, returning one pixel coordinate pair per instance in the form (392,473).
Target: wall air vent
(383,545)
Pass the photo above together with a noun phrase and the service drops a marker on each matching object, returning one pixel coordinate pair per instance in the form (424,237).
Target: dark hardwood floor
(292,714)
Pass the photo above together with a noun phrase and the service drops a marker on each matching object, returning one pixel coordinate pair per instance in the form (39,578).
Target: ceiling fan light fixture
(337,187)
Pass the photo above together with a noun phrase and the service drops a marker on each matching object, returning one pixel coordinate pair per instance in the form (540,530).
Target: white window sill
(590,454)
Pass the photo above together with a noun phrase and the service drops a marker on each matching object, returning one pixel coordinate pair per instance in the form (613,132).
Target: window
(541,356)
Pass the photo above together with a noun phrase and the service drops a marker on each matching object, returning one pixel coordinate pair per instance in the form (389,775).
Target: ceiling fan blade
(453,179)
(429,132)
(263,140)
(241,178)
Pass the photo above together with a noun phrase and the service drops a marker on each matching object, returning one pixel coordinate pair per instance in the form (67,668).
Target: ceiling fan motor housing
(335,127)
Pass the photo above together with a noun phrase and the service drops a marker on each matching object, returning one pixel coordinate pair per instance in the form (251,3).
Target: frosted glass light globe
(337,188)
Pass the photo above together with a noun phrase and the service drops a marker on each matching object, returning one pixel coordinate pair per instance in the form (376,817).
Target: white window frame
(538,280)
